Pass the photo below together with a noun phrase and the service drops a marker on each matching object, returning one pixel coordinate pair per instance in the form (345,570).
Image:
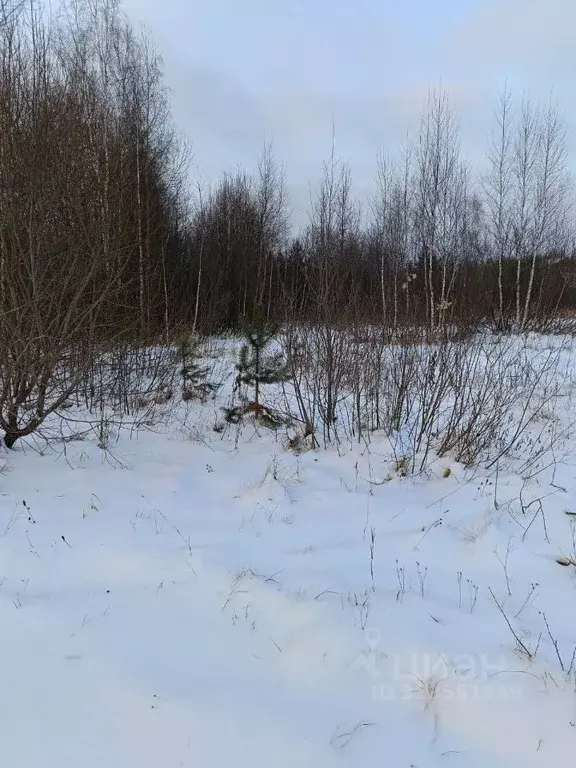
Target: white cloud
(532,36)
(244,72)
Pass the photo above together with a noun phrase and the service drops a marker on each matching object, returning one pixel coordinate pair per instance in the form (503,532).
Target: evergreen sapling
(194,383)
(256,368)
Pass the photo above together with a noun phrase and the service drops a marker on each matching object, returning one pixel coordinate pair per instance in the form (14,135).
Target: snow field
(222,601)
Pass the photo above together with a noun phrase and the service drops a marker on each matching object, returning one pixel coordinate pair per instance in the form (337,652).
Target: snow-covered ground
(193,599)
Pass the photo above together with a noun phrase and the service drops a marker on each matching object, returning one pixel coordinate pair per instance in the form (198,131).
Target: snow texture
(189,599)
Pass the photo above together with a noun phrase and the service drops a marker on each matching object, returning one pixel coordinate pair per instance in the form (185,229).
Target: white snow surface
(188,599)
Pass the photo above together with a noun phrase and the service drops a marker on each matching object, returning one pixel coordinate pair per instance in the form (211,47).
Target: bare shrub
(475,397)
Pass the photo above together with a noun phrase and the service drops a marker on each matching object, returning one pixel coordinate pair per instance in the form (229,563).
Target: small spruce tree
(194,382)
(257,368)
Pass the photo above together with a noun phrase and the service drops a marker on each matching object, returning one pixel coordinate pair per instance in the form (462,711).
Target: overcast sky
(245,71)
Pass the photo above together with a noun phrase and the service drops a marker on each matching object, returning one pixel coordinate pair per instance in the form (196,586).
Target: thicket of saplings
(406,318)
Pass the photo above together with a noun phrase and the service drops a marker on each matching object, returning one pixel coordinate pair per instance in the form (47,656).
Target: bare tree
(382,213)
(91,203)
(524,169)
(548,229)
(440,194)
(9,11)
(539,193)
(272,229)
(498,187)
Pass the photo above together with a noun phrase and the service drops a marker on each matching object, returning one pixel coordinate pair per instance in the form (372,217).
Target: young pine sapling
(256,368)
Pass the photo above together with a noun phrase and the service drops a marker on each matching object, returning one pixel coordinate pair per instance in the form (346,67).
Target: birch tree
(498,189)
(439,198)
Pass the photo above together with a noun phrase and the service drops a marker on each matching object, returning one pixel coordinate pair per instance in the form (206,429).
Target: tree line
(436,244)
(103,237)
